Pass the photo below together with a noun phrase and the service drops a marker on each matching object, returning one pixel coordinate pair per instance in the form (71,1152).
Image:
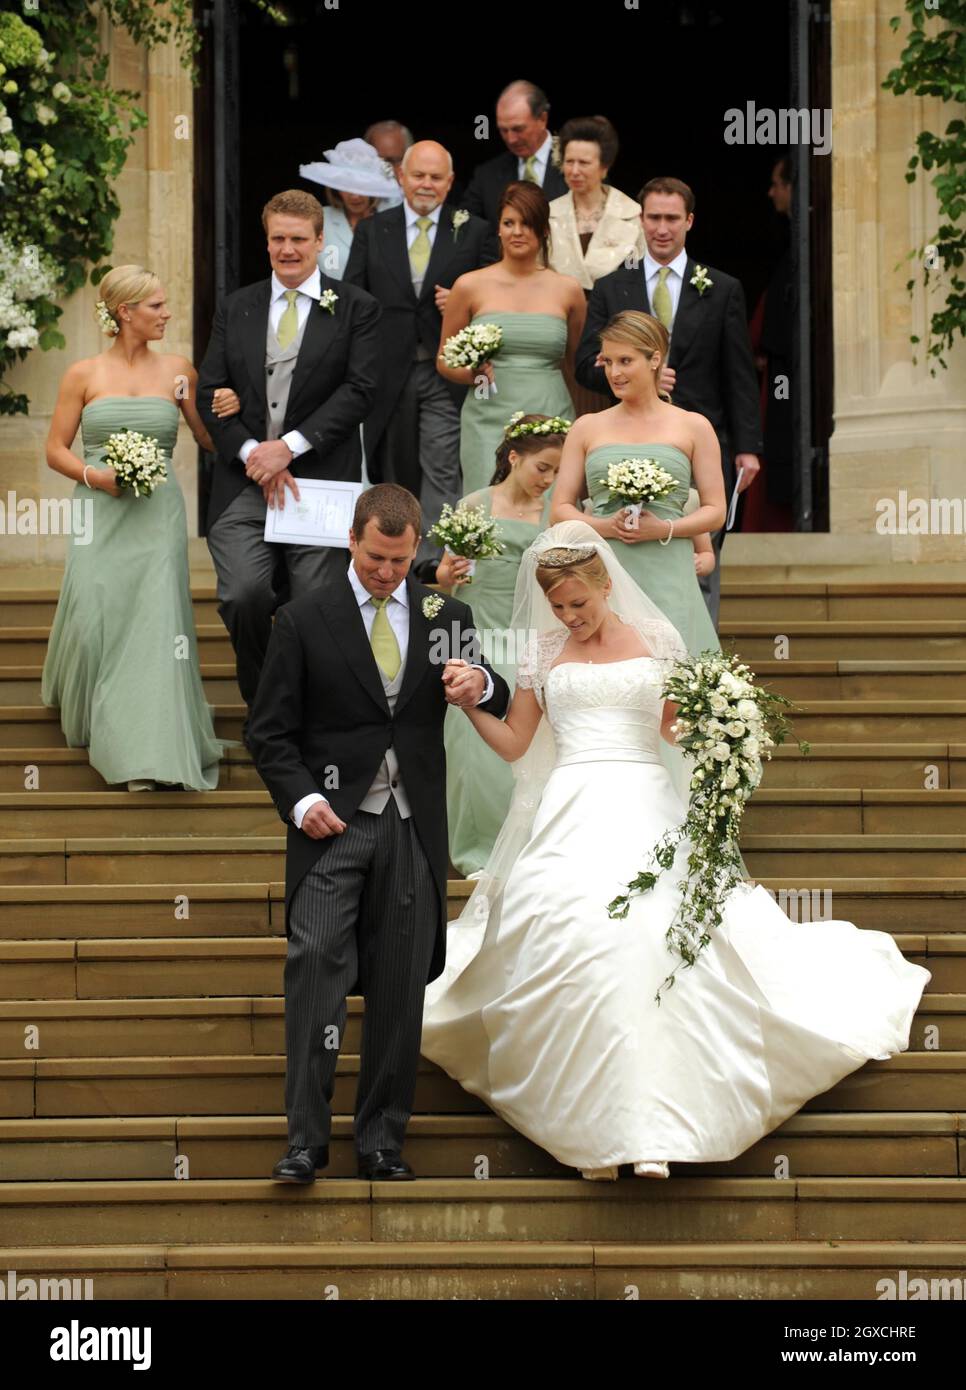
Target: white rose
(721,752)
(718,704)
(750,747)
(11,158)
(735,728)
(60,91)
(747,710)
(45,114)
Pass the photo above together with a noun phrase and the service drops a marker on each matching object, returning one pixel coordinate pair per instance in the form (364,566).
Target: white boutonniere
(432,605)
(460,217)
(555,158)
(700,279)
(328,300)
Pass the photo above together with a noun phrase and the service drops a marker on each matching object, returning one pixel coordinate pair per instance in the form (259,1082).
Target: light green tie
(288,324)
(420,249)
(662,298)
(530,170)
(385,648)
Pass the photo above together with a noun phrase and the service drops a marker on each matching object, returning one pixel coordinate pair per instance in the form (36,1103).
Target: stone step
(833,811)
(838,601)
(35,607)
(22,646)
(49,769)
(50,1087)
(21,685)
(915,766)
(247,1146)
(403,1270)
(229,966)
(33,726)
(864,680)
(33,814)
(257,858)
(884,639)
(216,1024)
(46,912)
(232,1211)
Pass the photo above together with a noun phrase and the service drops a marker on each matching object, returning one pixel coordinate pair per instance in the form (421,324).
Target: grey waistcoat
(279,368)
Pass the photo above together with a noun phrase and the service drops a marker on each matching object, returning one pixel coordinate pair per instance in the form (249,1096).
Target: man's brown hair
(668,186)
(295,202)
(392,507)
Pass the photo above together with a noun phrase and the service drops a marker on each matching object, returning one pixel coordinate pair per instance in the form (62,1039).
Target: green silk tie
(662,298)
(530,170)
(288,324)
(420,249)
(385,648)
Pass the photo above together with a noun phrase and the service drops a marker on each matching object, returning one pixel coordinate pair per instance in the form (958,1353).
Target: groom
(352,698)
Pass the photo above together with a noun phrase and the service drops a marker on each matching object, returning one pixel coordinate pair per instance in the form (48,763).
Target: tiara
(558,556)
(556,424)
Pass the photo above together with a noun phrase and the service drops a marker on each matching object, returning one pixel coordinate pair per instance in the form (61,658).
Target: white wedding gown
(548,1013)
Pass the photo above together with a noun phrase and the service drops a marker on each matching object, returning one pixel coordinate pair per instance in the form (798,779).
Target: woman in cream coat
(593,228)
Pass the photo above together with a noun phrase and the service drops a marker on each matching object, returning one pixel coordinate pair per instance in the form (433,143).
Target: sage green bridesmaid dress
(479,784)
(664,572)
(528,378)
(122,661)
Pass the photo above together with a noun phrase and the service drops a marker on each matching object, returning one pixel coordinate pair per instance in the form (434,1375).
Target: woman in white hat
(358,183)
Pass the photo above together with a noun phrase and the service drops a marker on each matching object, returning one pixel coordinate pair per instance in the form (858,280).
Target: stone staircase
(141,1018)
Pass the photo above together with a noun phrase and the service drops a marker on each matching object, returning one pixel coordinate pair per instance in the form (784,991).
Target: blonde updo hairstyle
(564,562)
(643,332)
(126,284)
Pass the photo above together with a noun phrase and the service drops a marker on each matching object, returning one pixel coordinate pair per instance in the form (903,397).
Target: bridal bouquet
(636,481)
(137,459)
(727,725)
(472,346)
(467,532)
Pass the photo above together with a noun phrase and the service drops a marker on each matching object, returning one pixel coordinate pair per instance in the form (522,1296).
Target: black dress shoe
(384,1165)
(299,1165)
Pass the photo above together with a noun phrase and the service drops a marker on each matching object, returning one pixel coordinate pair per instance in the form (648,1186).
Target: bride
(546,1008)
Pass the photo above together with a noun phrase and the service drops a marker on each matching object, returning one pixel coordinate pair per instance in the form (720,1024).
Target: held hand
(704,562)
(485,369)
(225,402)
(649,527)
(267,459)
(274,489)
(749,462)
(464,684)
(320,821)
(103,480)
(441,295)
(451,570)
(668,377)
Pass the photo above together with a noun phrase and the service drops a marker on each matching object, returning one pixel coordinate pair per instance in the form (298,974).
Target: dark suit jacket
(710,350)
(333,386)
(320,703)
(485,189)
(379,263)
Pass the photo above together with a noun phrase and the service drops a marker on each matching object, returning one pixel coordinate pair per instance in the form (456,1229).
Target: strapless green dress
(479,784)
(664,572)
(528,378)
(122,662)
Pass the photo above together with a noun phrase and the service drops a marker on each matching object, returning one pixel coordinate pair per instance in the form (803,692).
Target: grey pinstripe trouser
(368,905)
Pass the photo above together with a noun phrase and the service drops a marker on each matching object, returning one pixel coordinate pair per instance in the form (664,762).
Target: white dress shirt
(412,231)
(542,157)
(674,281)
(308,291)
(397,611)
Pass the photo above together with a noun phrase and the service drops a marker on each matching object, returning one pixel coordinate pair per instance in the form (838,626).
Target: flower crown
(556,424)
(558,556)
(108,322)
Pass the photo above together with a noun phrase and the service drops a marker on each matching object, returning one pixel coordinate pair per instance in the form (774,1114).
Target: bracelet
(84,477)
(670,533)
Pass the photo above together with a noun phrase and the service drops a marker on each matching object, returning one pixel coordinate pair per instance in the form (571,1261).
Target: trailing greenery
(933,63)
(64,138)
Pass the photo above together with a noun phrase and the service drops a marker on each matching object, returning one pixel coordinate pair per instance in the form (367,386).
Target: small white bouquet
(637,481)
(727,725)
(138,461)
(472,346)
(469,533)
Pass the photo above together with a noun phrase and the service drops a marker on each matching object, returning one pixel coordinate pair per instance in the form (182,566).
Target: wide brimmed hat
(354,166)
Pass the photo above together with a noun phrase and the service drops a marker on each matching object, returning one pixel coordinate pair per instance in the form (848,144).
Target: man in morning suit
(710,367)
(522,111)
